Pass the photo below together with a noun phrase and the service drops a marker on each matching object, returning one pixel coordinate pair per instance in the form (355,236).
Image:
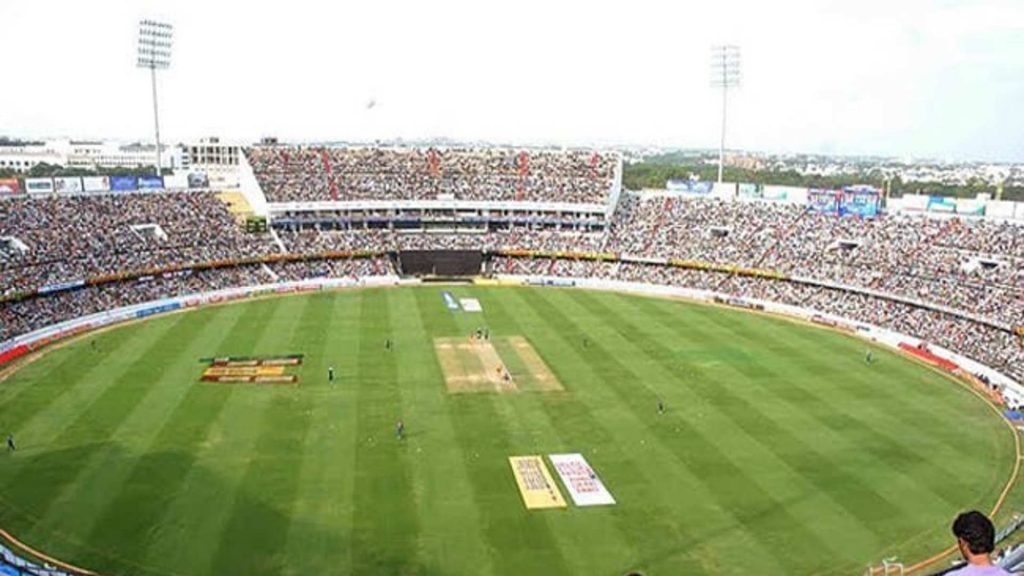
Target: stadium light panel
(154,53)
(725,74)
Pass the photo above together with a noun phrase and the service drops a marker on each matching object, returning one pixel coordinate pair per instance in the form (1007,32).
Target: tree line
(654,174)
(45,170)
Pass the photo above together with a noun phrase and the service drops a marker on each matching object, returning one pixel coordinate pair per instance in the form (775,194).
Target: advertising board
(96,183)
(124,183)
(67,184)
(39,185)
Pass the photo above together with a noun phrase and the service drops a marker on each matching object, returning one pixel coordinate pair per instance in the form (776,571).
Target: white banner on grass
(471,305)
(580,480)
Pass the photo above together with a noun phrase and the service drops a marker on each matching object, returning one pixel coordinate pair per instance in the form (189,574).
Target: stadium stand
(954,282)
(67,239)
(27,314)
(292,174)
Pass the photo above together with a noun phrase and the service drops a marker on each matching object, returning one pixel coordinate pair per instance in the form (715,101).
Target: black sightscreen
(441,262)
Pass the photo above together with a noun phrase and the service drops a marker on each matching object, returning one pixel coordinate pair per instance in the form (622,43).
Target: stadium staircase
(277,240)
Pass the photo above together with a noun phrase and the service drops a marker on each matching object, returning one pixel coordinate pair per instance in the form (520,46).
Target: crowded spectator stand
(956,283)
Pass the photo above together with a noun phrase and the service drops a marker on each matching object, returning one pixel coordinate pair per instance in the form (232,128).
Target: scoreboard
(256,224)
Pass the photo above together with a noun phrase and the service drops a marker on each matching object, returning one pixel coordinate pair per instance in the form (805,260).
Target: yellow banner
(244,371)
(535,483)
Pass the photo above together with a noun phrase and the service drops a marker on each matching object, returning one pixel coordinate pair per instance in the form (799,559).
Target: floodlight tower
(155,54)
(725,74)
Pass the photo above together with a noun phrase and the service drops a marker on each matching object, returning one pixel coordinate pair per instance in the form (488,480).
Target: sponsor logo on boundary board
(536,485)
(585,488)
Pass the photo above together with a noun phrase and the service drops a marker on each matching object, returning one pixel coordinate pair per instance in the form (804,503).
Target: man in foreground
(975,537)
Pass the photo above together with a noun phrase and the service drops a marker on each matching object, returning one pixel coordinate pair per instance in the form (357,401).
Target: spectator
(975,537)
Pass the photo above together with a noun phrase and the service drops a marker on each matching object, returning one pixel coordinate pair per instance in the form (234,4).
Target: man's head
(974,533)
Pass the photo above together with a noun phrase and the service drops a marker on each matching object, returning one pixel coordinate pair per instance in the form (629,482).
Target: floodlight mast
(725,74)
(154,52)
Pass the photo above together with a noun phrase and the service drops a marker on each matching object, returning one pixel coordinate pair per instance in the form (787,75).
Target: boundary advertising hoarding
(124,183)
(96,183)
(67,184)
(824,201)
(787,194)
(750,191)
(941,204)
(151,183)
(9,187)
(862,201)
(693,187)
(970,207)
(39,185)
(175,182)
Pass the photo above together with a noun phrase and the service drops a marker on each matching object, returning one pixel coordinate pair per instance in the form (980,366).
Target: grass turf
(780,452)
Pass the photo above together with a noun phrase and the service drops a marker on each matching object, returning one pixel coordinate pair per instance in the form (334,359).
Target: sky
(904,78)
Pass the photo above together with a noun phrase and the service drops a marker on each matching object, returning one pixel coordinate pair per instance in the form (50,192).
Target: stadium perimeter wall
(936,355)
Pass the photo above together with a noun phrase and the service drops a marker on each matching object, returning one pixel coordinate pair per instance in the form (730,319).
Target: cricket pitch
(500,365)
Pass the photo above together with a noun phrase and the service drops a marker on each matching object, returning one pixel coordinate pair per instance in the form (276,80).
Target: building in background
(219,161)
(21,158)
(98,155)
(104,154)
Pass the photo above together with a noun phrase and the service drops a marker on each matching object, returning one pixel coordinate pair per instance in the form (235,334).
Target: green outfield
(781,451)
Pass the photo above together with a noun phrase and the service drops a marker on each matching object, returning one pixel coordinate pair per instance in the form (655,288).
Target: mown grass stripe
(882,453)
(39,384)
(519,541)
(317,535)
(254,537)
(839,485)
(130,522)
(449,534)
(385,526)
(890,450)
(43,474)
(80,389)
(720,529)
(639,520)
(915,405)
(766,517)
(195,517)
(79,504)
(918,403)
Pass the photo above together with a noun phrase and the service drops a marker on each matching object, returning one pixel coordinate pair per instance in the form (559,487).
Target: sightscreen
(440,262)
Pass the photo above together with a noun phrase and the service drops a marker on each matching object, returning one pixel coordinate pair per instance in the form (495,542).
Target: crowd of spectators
(25,315)
(61,239)
(313,241)
(975,266)
(874,271)
(297,174)
(332,268)
(29,314)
